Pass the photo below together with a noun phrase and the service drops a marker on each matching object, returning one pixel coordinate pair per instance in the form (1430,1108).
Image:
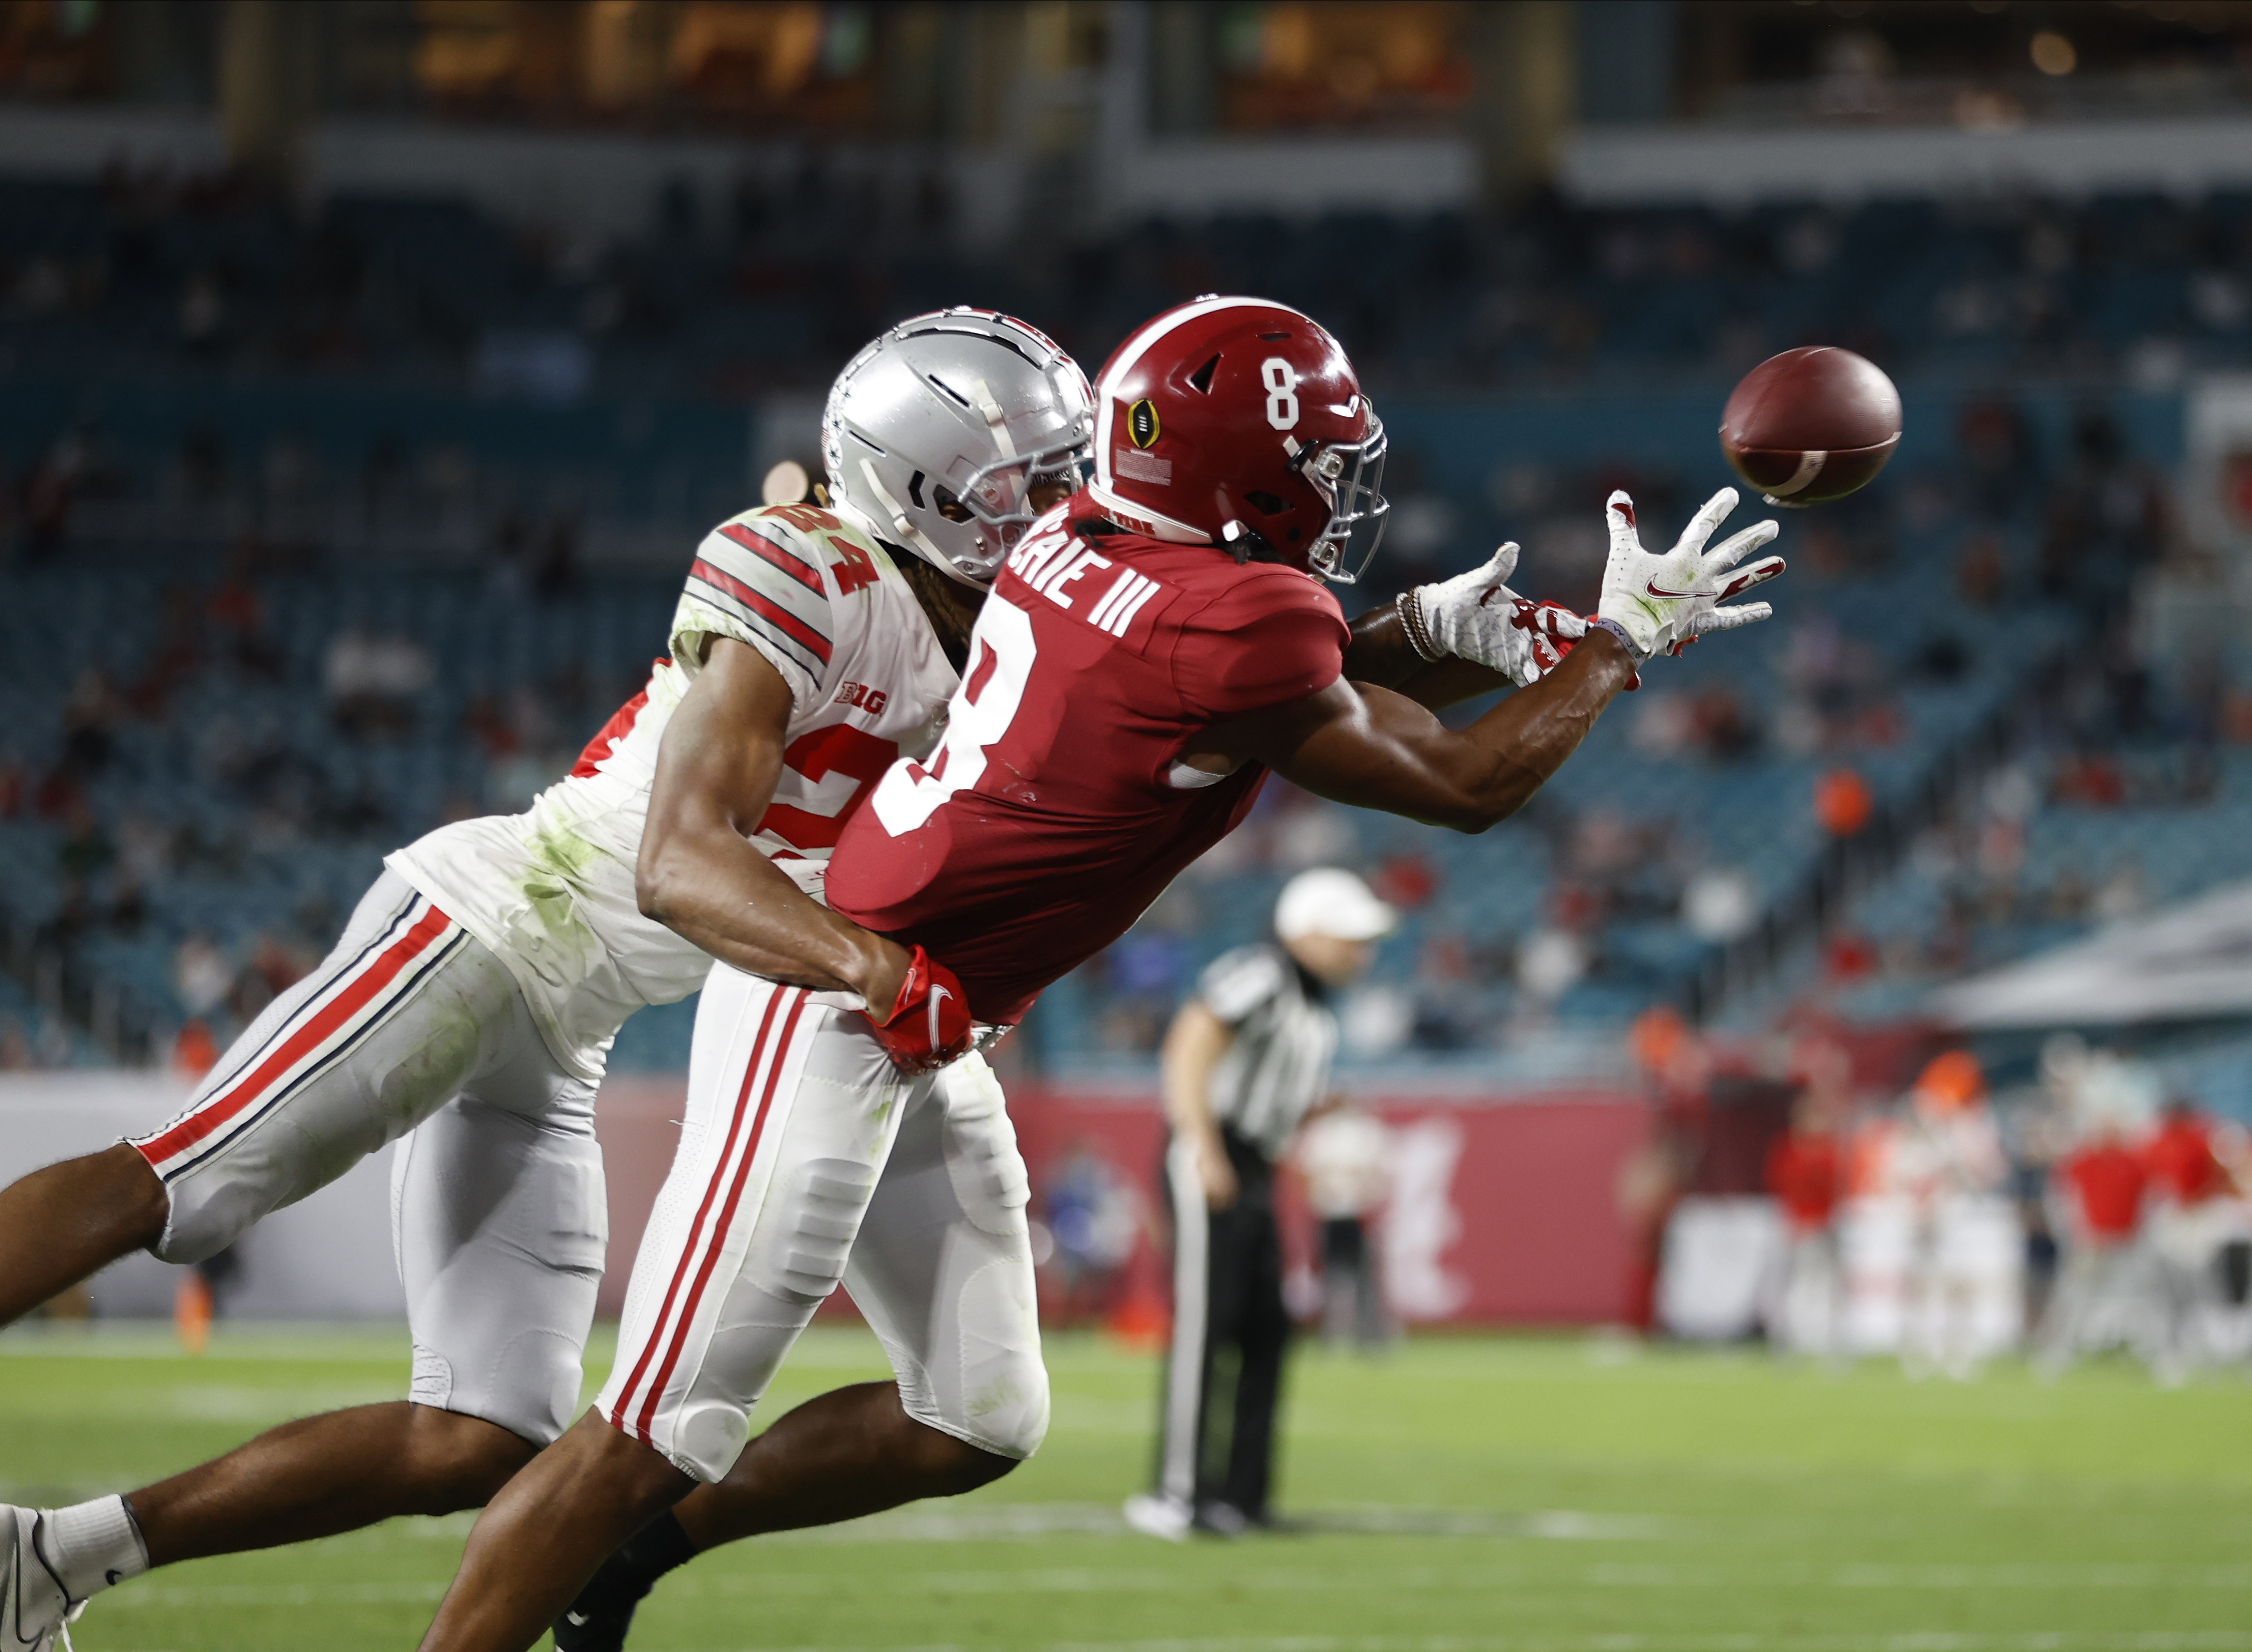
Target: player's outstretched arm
(1453,641)
(1368,746)
(1373,748)
(699,873)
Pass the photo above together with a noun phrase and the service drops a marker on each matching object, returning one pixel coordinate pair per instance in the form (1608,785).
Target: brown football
(1811,425)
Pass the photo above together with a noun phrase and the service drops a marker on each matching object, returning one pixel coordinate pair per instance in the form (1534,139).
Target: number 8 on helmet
(1240,422)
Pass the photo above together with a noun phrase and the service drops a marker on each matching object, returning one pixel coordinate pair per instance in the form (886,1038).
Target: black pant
(1230,1329)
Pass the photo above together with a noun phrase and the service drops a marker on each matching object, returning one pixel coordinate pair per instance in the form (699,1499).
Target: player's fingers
(1745,578)
(1501,564)
(1561,622)
(1619,512)
(1730,618)
(1702,525)
(1734,548)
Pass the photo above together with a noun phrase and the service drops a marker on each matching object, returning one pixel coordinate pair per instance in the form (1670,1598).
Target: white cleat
(1156,1515)
(35,1609)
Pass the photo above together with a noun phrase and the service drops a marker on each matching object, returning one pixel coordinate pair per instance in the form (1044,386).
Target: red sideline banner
(1504,1210)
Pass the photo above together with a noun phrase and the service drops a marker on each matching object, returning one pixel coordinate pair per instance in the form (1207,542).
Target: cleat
(1156,1515)
(1222,1519)
(36,1611)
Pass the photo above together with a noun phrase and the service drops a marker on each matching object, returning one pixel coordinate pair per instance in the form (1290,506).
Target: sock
(92,1545)
(653,1551)
(632,1571)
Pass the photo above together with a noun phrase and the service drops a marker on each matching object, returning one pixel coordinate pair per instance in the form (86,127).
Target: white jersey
(551,891)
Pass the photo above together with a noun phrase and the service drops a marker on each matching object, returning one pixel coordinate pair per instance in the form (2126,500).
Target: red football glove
(1552,630)
(929,1025)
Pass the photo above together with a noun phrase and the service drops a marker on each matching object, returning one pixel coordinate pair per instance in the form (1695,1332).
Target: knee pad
(990,1388)
(501,1224)
(990,1180)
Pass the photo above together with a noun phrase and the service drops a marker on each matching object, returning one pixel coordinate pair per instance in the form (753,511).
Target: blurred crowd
(220,745)
(764,283)
(2084,1212)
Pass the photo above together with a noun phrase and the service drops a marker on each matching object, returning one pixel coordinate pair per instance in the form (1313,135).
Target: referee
(1246,1059)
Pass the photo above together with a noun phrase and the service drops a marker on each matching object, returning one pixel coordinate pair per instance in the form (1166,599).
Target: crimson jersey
(1805,1174)
(1057,809)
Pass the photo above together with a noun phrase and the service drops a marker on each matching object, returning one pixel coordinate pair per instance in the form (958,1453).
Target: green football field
(1463,1493)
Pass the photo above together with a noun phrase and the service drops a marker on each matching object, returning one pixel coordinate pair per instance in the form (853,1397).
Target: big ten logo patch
(871,700)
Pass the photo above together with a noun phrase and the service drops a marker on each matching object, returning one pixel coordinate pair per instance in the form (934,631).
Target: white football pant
(497,1204)
(806,1160)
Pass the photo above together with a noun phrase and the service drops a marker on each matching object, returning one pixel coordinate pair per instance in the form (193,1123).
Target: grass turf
(1465,1493)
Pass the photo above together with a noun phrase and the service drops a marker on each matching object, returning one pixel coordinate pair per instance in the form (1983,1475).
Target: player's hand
(929,1024)
(1669,602)
(1476,616)
(1216,1174)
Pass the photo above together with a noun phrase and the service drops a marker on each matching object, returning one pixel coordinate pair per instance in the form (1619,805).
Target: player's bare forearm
(1381,653)
(699,875)
(1377,749)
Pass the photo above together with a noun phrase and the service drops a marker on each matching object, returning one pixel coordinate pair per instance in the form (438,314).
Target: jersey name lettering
(1129,593)
(1051,562)
(1032,557)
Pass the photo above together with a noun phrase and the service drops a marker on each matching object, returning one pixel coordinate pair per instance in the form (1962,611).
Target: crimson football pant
(1224,1370)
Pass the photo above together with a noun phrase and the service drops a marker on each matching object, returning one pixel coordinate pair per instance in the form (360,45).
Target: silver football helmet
(935,435)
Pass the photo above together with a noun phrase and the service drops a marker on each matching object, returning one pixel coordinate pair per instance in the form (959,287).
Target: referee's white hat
(1331,901)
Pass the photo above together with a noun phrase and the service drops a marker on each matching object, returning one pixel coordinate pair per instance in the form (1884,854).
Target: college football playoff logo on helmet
(1142,423)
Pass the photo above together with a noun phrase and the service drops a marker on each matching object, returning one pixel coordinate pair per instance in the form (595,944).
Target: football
(1811,425)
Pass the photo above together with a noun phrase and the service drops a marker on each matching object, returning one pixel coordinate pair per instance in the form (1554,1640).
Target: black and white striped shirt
(1277,1067)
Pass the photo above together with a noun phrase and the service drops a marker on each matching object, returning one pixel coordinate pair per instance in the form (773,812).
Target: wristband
(1411,621)
(1619,631)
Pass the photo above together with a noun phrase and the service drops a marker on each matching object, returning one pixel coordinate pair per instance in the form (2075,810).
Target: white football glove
(1476,616)
(1670,601)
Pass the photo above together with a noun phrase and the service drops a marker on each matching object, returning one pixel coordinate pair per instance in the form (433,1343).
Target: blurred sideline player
(474,995)
(1964,1297)
(1805,1171)
(1149,652)
(2191,1219)
(2101,1296)
(1246,1059)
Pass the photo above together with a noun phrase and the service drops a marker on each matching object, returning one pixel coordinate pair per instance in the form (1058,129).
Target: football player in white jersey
(471,1003)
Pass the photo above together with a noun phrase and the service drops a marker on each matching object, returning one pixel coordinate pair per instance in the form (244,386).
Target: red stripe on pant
(727,1220)
(696,1230)
(215,1111)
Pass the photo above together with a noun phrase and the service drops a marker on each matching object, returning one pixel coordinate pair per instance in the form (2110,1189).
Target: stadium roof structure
(2190,962)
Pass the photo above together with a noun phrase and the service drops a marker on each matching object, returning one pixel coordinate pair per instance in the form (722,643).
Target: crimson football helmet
(1239,422)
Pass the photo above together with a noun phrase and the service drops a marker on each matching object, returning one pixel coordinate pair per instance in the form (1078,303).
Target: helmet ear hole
(1200,380)
(1267,503)
(915,490)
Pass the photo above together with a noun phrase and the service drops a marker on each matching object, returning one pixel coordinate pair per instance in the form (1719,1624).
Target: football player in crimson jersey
(1149,652)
